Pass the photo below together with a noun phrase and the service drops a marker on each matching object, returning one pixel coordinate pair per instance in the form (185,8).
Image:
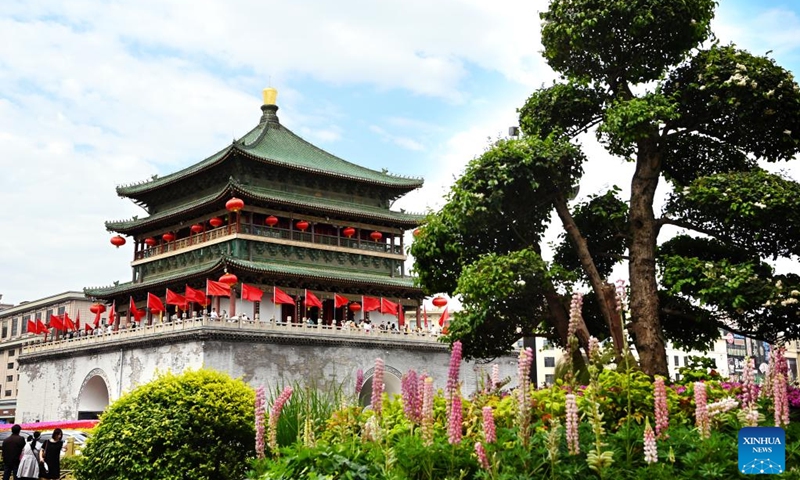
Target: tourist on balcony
(224,314)
(214,314)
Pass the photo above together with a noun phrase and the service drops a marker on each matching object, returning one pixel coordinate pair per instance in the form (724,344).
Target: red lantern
(302,225)
(97,308)
(168,237)
(349,232)
(216,222)
(117,241)
(354,307)
(271,221)
(376,235)
(150,242)
(197,228)
(439,302)
(234,204)
(228,278)
(417,231)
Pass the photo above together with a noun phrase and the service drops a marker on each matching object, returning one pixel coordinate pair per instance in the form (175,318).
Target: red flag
(251,294)
(112,314)
(78,321)
(217,289)
(339,301)
(87,327)
(40,328)
(401,316)
(444,319)
(370,303)
(195,296)
(154,303)
(387,306)
(32,328)
(425,316)
(56,322)
(312,300)
(137,314)
(68,323)
(279,296)
(176,299)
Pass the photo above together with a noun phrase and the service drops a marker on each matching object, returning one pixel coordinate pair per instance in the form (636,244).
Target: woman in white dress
(29,463)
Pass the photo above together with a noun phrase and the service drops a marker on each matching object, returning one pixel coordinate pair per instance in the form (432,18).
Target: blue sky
(99,93)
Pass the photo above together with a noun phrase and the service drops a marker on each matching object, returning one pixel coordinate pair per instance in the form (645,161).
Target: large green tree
(648,78)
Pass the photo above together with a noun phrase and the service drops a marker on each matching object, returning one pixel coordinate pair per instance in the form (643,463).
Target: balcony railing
(37,345)
(269,232)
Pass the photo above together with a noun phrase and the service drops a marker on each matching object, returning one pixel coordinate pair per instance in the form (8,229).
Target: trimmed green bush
(197,425)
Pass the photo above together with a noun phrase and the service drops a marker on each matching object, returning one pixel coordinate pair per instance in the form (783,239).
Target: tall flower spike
(495,376)
(573,444)
(359,381)
(594,349)
(661,410)
(650,447)
(480,452)
(408,387)
(377,386)
(427,412)
(453,373)
(489,430)
(274,416)
(622,294)
(455,420)
(260,417)
(702,420)
(575,313)
(523,393)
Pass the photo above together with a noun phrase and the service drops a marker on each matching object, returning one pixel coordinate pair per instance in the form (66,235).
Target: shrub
(199,425)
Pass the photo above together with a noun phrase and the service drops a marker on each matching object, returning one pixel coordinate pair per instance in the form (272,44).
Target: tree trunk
(645,322)
(608,304)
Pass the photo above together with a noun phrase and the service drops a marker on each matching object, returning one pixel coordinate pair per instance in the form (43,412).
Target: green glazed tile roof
(274,197)
(235,265)
(272,143)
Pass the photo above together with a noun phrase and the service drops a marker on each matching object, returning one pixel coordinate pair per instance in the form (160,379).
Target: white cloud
(403,142)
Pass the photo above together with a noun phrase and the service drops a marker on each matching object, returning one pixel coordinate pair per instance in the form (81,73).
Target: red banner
(370,303)
(279,296)
(251,294)
(312,300)
(135,312)
(388,306)
(339,301)
(217,289)
(154,304)
(176,299)
(195,296)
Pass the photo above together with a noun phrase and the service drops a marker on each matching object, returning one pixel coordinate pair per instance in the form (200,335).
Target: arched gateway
(93,396)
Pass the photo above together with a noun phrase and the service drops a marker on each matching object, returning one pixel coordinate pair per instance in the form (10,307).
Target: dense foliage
(646,77)
(198,425)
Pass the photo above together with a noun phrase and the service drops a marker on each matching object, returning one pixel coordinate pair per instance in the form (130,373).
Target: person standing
(29,463)
(12,450)
(50,455)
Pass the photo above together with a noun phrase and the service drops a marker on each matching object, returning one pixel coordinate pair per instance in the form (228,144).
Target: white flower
(787,132)
(741,67)
(794,293)
(722,406)
(520,282)
(760,205)
(789,301)
(770,93)
(702,87)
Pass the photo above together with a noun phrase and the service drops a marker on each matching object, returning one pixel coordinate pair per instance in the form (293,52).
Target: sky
(94,94)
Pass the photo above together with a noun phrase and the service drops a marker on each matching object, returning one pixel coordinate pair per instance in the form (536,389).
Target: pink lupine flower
(377,386)
(274,416)
(650,447)
(359,381)
(481,453)
(573,443)
(453,374)
(421,393)
(702,420)
(661,410)
(260,414)
(523,391)
(575,313)
(455,420)
(622,295)
(489,431)
(408,387)
(780,400)
(749,387)
(427,412)
(495,375)
(594,349)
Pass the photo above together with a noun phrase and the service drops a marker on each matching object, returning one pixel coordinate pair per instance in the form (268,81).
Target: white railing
(39,345)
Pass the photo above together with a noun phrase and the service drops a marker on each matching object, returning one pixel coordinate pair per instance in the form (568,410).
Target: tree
(644,76)
(199,424)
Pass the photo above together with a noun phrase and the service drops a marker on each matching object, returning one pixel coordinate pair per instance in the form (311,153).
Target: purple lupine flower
(573,443)
(377,386)
(427,411)
(749,387)
(408,387)
(454,420)
(780,400)
(359,381)
(575,313)
(661,410)
(260,413)
(594,349)
(621,294)
(495,375)
(482,458)
(702,420)
(274,416)
(489,430)
(523,399)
